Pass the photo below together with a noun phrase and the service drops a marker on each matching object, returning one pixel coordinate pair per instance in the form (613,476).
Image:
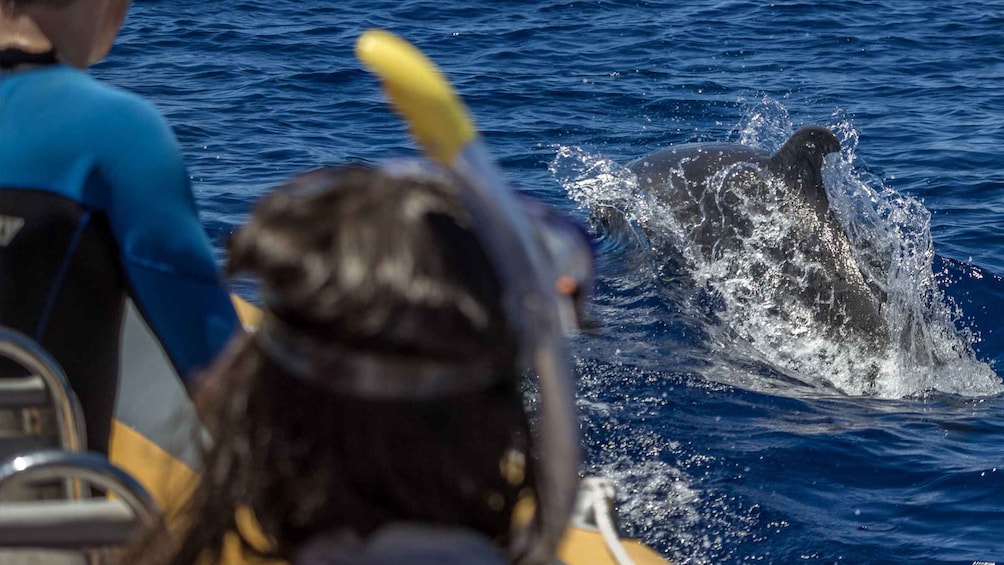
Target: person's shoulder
(121,109)
(94,103)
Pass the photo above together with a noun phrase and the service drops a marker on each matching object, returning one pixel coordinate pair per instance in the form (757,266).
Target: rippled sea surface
(723,451)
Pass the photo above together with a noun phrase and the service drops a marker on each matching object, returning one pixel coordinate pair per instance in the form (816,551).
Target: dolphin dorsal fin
(799,160)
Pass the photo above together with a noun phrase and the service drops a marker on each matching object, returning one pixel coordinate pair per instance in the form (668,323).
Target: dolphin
(718,193)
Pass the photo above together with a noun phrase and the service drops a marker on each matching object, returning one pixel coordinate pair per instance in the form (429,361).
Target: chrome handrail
(91,468)
(69,416)
(29,354)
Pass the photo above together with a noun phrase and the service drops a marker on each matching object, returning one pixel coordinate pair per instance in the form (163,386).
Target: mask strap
(382,376)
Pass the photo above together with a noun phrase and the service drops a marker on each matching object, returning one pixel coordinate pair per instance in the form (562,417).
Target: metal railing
(45,384)
(43,370)
(73,523)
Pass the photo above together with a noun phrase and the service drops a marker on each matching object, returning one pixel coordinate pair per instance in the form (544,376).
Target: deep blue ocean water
(730,443)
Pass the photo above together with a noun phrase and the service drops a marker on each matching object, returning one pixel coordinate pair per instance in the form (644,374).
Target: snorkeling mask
(516,241)
(564,247)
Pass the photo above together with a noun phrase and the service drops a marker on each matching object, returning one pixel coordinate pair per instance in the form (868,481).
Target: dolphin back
(717,201)
(799,162)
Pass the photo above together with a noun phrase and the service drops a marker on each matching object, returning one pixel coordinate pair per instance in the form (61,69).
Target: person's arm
(166,254)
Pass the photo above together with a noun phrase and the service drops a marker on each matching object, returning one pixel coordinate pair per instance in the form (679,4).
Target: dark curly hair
(357,261)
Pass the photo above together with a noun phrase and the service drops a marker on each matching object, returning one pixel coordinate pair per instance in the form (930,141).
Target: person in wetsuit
(103,259)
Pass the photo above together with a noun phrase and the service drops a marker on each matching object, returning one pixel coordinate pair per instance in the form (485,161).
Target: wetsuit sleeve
(166,254)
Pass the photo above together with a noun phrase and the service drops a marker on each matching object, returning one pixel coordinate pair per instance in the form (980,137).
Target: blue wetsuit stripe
(57,283)
(110,153)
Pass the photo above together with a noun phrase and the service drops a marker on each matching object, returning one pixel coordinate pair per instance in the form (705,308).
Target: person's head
(382,385)
(80,31)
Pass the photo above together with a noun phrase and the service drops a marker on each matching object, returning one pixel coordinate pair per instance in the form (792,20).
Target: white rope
(602,513)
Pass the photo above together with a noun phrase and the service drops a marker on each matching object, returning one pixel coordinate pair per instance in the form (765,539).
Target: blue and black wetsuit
(103,259)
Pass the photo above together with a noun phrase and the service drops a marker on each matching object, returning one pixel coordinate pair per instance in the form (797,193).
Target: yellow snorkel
(441,124)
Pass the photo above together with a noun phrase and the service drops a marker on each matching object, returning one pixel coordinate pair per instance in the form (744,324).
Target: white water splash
(657,479)
(653,494)
(890,237)
(892,231)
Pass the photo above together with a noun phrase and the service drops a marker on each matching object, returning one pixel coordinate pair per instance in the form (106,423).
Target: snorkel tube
(441,124)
